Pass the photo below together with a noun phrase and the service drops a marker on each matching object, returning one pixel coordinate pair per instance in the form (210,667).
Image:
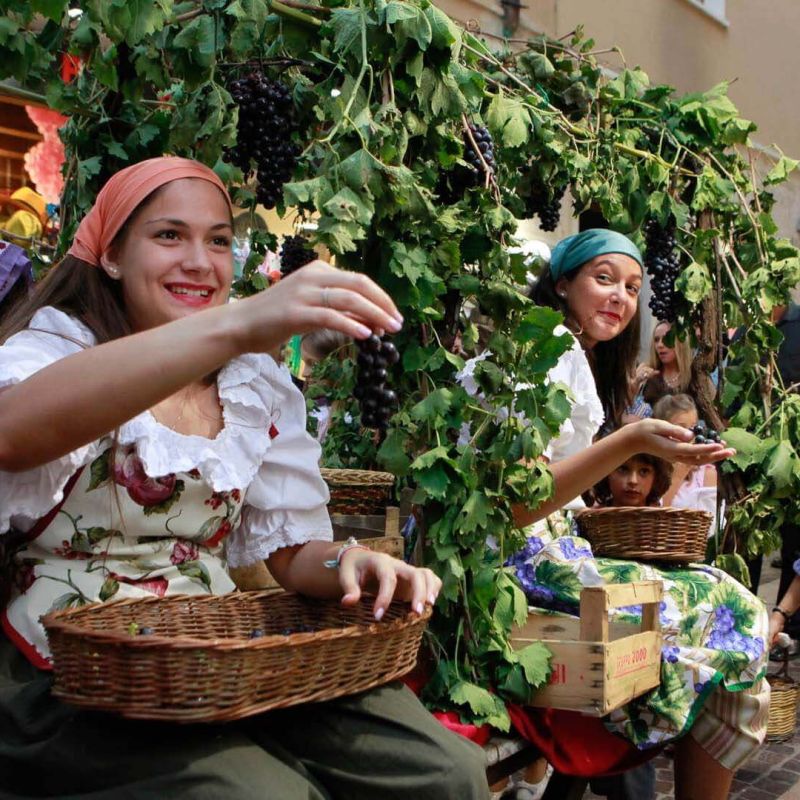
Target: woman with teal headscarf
(714,654)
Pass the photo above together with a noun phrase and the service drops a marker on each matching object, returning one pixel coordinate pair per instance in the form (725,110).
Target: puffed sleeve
(52,335)
(286,504)
(586,416)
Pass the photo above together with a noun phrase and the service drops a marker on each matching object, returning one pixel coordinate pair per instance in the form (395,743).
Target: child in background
(641,481)
(693,486)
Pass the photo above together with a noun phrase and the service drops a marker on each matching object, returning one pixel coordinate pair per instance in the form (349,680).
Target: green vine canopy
(383,95)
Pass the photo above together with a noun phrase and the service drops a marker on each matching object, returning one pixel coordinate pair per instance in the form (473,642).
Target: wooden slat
(19,134)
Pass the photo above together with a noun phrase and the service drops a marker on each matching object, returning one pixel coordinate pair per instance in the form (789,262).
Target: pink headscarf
(122,194)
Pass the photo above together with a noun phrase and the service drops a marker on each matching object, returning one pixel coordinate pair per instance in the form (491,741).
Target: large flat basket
(216,658)
(676,535)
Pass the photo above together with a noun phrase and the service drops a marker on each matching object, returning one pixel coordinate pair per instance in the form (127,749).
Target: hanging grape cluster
(546,202)
(295,253)
(663,265)
(485,144)
(377,401)
(453,184)
(266,123)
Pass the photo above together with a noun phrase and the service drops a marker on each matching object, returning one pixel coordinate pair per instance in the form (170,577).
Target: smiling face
(175,256)
(603,297)
(631,483)
(666,354)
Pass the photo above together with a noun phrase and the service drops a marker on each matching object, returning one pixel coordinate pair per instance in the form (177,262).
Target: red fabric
(478,734)
(70,67)
(576,744)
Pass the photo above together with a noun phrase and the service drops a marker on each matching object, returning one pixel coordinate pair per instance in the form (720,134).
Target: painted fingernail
(363,331)
(431,598)
(399,317)
(379,614)
(418,608)
(394,325)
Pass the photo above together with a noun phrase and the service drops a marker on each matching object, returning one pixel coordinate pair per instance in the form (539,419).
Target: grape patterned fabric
(714,629)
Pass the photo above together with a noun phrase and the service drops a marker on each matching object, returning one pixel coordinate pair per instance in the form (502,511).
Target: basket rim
(334,475)
(642,510)
(62,622)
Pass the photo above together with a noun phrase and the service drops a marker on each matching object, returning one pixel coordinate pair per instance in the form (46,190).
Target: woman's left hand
(389,578)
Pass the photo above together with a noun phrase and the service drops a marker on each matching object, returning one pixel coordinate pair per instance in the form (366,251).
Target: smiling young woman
(594,279)
(147,442)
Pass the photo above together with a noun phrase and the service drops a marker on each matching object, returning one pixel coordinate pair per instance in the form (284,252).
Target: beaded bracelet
(351,544)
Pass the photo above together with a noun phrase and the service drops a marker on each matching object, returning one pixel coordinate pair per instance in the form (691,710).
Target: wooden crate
(258,576)
(598,665)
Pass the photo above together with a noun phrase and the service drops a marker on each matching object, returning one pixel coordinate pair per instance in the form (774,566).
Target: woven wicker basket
(199,664)
(783,698)
(646,534)
(358,491)
(782,708)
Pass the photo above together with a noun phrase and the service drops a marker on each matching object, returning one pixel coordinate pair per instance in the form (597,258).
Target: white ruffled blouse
(578,430)
(178,501)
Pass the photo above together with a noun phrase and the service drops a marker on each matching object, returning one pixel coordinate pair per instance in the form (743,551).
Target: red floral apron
(119,533)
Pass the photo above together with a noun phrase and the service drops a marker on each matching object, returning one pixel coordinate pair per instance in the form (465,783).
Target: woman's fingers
(394,578)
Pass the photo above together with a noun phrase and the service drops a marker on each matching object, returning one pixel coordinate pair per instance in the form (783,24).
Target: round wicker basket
(646,534)
(215,658)
(782,708)
(358,491)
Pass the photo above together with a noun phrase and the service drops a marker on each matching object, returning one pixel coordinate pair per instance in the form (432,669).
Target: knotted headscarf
(122,194)
(574,251)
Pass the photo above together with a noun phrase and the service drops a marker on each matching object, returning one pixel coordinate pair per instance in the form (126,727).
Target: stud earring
(562,294)
(113,272)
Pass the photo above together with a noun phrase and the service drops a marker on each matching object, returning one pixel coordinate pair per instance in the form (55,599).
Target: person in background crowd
(641,481)
(692,486)
(28,217)
(667,371)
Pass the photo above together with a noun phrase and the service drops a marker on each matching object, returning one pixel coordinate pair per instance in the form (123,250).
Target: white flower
(335,92)
(348,417)
(464,376)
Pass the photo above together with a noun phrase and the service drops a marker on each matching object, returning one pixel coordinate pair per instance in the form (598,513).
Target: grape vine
(379,135)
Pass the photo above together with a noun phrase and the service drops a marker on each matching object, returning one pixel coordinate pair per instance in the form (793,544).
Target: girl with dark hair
(714,656)
(641,481)
(145,438)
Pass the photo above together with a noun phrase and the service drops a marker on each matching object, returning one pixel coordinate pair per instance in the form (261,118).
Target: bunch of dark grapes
(266,123)
(547,204)
(703,434)
(377,401)
(663,264)
(454,183)
(295,254)
(483,139)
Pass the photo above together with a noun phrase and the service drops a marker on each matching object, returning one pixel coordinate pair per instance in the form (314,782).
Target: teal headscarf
(574,251)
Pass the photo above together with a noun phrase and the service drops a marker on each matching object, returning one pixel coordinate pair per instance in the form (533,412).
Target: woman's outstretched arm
(82,397)
(577,473)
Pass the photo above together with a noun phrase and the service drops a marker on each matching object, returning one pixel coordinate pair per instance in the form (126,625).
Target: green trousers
(378,745)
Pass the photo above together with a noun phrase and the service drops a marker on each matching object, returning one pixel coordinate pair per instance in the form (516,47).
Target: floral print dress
(714,629)
(154,511)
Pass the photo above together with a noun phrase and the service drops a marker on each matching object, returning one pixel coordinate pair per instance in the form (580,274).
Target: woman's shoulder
(54,329)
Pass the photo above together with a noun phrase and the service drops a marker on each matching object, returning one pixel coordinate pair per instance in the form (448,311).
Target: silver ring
(325,300)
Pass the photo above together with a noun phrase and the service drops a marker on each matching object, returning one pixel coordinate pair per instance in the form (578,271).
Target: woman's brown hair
(617,356)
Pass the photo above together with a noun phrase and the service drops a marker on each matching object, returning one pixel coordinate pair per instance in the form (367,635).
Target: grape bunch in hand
(377,401)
